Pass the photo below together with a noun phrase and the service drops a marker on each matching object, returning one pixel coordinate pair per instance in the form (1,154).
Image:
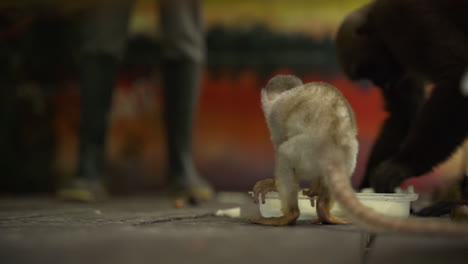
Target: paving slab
(206,240)
(403,249)
(151,230)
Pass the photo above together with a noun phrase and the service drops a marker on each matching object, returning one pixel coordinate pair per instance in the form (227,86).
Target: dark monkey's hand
(388,175)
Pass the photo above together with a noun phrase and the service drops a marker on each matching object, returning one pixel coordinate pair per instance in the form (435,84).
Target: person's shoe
(193,188)
(460,213)
(82,190)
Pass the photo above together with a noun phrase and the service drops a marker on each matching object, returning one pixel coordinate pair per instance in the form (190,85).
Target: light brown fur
(314,131)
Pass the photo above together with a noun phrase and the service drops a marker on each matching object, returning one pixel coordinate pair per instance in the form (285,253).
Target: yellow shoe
(196,189)
(82,190)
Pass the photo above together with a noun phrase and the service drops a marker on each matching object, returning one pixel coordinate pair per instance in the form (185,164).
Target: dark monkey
(400,45)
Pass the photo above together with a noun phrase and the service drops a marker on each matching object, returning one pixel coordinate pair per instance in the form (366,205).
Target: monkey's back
(316,117)
(316,108)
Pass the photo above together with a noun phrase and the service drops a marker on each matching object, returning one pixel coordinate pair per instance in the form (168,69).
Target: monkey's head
(276,86)
(360,52)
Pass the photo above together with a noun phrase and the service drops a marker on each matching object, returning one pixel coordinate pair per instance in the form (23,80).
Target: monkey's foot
(261,188)
(334,220)
(289,219)
(325,217)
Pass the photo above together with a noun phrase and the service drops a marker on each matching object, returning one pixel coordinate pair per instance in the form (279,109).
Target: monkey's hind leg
(288,187)
(324,205)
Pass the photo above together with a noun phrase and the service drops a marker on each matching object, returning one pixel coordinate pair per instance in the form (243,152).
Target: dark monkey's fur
(399,45)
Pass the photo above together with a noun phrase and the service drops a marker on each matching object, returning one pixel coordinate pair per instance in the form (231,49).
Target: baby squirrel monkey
(313,129)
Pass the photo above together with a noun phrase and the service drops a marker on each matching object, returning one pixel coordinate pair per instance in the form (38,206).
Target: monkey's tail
(343,192)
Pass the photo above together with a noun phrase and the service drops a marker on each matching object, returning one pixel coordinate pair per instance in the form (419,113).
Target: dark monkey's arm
(425,38)
(403,101)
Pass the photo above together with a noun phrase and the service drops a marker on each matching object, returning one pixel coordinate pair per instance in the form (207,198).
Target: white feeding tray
(390,204)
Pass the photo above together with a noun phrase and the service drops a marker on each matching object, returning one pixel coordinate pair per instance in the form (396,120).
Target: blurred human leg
(183,58)
(104,34)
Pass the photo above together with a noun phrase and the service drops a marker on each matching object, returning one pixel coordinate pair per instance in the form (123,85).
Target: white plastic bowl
(390,204)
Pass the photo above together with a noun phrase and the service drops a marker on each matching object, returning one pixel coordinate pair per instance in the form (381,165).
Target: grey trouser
(104,37)
(105,29)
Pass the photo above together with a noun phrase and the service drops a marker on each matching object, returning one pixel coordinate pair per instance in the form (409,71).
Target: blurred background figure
(104,34)
(138,67)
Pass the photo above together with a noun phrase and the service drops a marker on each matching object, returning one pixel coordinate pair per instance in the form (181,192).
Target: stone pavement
(150,230)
